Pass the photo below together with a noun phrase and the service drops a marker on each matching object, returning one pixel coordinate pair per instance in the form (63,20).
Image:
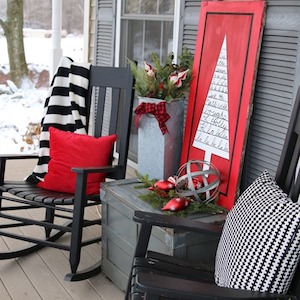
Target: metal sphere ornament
(199,180)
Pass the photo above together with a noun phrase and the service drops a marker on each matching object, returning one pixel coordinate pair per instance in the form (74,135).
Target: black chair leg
(75,251)
(50,219)
(76,236)
(140,251)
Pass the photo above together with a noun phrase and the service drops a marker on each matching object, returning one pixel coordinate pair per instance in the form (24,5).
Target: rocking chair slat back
(120,114)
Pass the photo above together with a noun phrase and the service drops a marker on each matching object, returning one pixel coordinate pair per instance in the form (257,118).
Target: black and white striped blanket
(65,108)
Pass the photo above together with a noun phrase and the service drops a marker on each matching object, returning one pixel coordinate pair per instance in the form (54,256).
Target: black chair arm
(106,169)
(5,157)
(17,156)
(82,174)
(178,288)
(176,223)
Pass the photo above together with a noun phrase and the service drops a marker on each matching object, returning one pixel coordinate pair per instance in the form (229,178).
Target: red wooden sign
(225,62)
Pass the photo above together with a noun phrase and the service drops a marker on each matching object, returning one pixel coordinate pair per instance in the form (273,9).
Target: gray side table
(120,232)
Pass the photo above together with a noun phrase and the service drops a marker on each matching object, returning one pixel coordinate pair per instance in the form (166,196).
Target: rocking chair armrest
(17,156)
(182,289)
(87,170)
(5,157)
(187,224)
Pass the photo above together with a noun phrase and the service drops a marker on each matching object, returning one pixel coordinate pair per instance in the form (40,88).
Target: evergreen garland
(158,199)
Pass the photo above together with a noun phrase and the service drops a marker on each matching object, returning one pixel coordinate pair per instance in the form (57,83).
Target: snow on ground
(17,111)
(19,108)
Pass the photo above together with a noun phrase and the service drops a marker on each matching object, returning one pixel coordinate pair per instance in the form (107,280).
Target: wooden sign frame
(220,101)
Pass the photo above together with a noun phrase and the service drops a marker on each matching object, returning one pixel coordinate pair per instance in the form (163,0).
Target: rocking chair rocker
(65,212)
(250,263)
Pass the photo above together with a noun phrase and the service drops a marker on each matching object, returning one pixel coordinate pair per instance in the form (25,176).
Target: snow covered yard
(20,108)
(17,111)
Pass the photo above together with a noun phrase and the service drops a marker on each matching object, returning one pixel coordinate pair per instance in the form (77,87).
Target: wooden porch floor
(41,274)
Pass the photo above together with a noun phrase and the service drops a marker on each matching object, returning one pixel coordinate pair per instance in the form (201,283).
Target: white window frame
(176,26)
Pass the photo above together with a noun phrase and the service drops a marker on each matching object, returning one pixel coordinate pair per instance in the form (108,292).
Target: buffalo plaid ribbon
(157,110)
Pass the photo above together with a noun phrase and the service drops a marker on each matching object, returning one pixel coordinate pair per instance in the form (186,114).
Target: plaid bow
(159,112)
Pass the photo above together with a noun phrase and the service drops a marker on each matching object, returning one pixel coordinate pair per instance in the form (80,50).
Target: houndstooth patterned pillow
(260,243)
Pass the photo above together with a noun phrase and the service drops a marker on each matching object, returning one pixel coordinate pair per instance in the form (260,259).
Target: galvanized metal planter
(158,154)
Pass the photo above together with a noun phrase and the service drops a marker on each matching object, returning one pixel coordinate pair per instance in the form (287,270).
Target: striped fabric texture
(65,108)
(260,243)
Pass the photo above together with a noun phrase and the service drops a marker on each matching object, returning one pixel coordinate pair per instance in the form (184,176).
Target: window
(146,27)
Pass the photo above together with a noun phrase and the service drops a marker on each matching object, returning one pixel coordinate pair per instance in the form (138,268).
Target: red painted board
(220,101)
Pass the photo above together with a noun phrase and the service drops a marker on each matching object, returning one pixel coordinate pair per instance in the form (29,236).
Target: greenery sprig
(158,199)
(166,82)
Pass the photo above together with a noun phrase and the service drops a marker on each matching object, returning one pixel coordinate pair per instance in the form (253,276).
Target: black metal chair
(158,276)
(64,213)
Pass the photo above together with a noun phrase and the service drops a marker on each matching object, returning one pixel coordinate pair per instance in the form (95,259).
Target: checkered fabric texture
(260,243)
(157,110)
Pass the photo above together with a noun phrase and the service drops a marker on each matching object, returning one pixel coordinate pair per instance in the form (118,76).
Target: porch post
(56,36)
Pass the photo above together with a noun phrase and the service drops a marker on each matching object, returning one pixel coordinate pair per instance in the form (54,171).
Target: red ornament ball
(165,185)
(176,204)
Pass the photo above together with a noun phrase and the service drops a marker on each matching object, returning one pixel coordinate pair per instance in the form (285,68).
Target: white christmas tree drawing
(212,133)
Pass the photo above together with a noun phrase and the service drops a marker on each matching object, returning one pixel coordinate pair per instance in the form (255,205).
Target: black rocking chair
(64,213)
(158,276)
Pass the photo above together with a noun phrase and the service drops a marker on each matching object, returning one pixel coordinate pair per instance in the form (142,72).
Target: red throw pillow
(67,150)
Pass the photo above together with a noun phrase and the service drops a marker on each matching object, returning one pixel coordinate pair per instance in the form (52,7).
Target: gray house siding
(276,85)
(105,42)
(105,37)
